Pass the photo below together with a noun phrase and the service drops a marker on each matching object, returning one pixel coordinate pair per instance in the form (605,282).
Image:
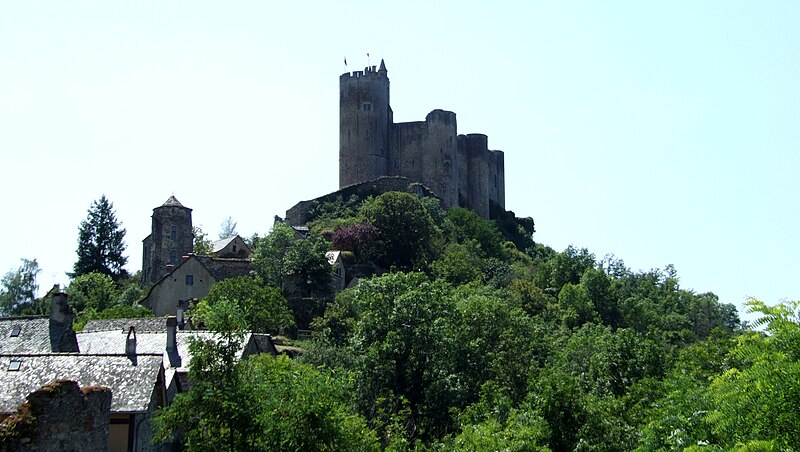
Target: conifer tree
(101,242)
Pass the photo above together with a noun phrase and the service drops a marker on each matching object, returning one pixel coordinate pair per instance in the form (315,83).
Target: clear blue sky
(662,132)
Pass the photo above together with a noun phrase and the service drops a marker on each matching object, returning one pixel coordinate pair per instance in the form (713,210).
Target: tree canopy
(101,242)
(18,291)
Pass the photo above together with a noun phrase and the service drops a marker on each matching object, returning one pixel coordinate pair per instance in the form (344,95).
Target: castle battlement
(459,169)
(369,71)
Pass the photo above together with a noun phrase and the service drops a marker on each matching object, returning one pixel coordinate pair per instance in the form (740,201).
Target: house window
(234,247)
(367,107)
(14,364)
(173,232)
(189,280)
(16,330)
(173,257)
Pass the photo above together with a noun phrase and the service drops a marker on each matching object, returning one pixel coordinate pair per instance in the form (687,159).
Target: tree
(280,258)
(261,403)
(216,413)
(360,238)
(463,224)
(760,399)
(101,242)
(264,308)
(202,245)
(92,291)
(227,229)
(409,239)
(19,287)
(401,370)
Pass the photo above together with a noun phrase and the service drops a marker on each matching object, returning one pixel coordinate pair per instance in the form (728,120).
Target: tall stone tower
(170,238)
(364,122)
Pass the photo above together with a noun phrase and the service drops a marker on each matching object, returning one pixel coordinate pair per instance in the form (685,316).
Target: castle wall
(364,118)
(300,213)
(497,178)
(477,174)
(61,416)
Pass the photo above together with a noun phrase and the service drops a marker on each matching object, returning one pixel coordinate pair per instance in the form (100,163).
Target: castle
(459,169)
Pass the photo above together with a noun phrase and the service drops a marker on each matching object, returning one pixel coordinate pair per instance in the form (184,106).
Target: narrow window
(173,257)
(234,247)
(189,280)
(173,232)
(16,330)
(14,365)
(367,107)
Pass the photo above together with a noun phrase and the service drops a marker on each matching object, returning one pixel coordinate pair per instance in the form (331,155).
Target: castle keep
(459,169)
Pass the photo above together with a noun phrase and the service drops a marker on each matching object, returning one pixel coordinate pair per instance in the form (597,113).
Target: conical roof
(173,202)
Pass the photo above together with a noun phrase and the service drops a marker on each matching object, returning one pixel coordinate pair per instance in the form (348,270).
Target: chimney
(62,336)
(172,333)
(130,342)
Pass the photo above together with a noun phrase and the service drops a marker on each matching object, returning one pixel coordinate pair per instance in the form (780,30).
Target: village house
(37,350)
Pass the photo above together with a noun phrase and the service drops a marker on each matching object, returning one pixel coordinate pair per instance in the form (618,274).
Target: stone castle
(459,169)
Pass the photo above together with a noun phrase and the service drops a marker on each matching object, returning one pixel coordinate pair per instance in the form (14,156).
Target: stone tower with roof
(170,238)
(459,169)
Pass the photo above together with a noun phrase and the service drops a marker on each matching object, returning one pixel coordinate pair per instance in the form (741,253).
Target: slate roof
(217,246)
(173,202)
(131,380)
(221,268)
(155,342)
(34,335)
(156,324)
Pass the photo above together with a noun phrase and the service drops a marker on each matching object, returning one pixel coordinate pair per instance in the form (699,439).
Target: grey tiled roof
(34,335)
(131,381)
(157,324)
(221,268)
(101,342)
(173,202)
(146,342)
(217,246)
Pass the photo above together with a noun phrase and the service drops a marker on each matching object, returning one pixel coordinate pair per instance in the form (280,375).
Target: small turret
(382,70)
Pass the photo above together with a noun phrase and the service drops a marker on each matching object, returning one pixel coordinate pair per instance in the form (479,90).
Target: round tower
(170,238)
(364,123)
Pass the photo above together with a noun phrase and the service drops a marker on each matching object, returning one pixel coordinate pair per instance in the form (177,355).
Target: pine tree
(101,242)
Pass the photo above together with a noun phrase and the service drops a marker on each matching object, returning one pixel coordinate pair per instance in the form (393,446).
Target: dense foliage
(262,403)
(18,291)
(463,334)
(101,242)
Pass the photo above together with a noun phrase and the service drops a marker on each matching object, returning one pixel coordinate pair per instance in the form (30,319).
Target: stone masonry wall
(59,416)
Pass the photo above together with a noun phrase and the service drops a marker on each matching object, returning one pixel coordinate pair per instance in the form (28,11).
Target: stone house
(231,247)
(192,278)
(36,350)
